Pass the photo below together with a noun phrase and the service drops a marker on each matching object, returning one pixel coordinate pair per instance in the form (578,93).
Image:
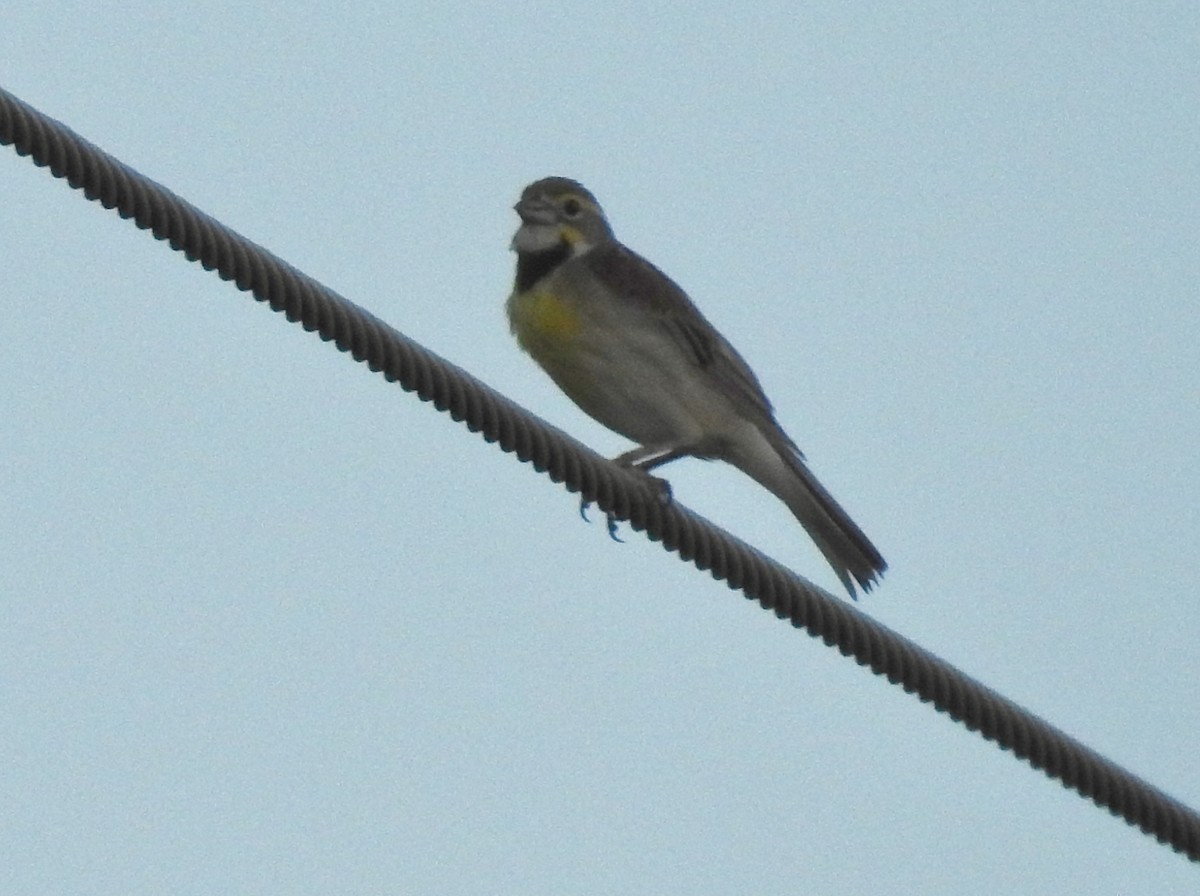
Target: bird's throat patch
(533,266)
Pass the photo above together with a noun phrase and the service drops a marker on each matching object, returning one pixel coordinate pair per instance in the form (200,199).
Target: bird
(627,345)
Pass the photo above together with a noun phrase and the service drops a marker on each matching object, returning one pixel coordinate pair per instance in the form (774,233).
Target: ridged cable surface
(617,492)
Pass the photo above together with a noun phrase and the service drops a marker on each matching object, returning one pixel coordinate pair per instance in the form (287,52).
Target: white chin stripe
(535,238)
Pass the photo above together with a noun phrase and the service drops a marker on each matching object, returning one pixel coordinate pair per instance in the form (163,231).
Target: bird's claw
(611,520)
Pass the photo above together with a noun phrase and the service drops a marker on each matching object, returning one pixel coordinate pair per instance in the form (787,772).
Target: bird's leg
(649,457)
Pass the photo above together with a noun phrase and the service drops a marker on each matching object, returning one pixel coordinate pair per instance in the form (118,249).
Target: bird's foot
(611,520)
(660,488)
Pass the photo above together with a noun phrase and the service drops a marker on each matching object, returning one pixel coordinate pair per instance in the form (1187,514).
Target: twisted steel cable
(619,493)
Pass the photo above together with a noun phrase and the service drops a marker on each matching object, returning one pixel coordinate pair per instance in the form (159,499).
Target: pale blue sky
(269,625)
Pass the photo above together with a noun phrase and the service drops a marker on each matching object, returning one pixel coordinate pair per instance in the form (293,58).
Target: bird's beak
(535,211)
(539,226)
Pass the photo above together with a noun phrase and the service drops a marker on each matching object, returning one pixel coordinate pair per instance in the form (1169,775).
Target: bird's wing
(635,280)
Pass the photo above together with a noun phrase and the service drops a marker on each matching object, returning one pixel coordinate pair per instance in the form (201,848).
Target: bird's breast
(545,325)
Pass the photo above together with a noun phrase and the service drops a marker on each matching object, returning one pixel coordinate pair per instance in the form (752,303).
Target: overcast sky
(270,625)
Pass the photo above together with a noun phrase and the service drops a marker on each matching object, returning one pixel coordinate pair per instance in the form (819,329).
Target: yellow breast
(544,324)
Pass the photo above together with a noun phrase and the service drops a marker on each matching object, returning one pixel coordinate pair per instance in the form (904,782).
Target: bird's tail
(782,470)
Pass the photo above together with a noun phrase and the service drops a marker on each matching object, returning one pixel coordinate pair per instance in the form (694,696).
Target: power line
(355,331)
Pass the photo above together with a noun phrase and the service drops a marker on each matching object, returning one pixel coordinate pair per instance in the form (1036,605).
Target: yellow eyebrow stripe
(571,235)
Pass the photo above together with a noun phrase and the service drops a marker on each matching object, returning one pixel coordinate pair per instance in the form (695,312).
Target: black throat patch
(533,266)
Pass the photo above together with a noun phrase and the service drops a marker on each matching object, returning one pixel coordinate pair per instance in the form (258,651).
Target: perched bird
(627,345)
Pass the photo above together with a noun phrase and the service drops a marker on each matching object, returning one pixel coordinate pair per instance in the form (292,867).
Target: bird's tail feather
(843,544)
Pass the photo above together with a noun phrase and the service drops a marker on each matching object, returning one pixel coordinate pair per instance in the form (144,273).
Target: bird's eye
(572,208)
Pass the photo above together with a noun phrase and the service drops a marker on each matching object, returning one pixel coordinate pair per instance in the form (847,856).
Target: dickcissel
(627,345)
